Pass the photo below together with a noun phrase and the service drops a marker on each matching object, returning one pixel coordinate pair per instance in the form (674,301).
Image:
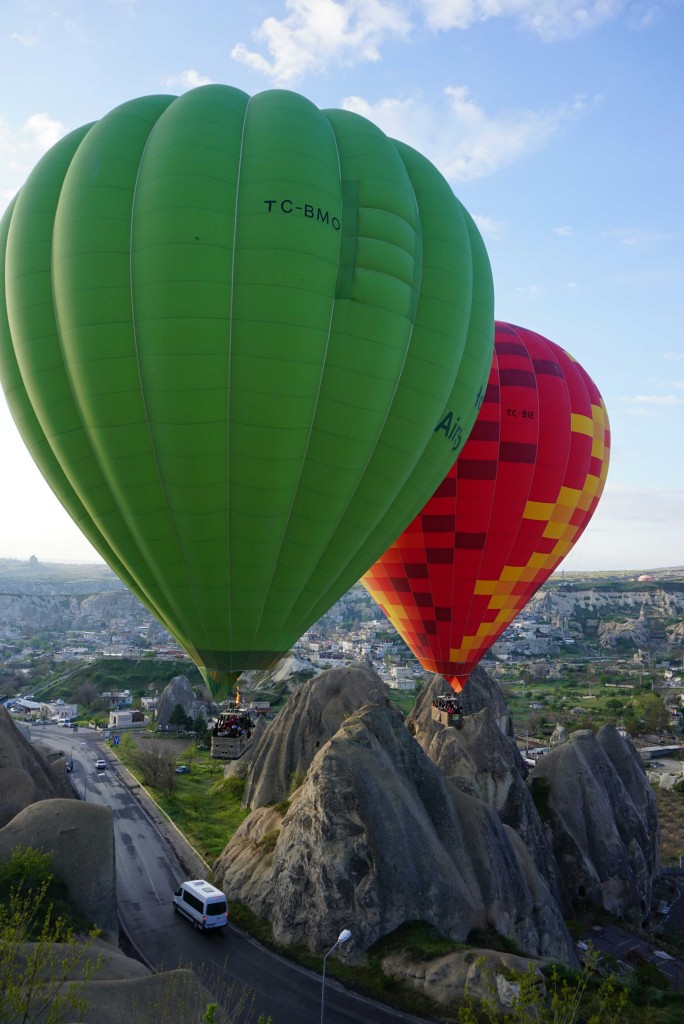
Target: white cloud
(489,228)
(529,289)
(674,356)
(634,526)
(643,412)
(26,39)
(571,286)
(317,33)
(550,19)
(42,131)
(563,232)
(635,237)
(188,79)
(652,399)
(457,134)
(21,149)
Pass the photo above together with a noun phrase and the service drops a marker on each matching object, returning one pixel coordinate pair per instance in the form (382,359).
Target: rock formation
(123,989)
(635,631)
(80,837)
(376,835)
(240,768)
(481,692)
(178,691)
(311,716)
(601,811)
(25,775)
(559,735)
(481,761)
(287,674)
(483,973)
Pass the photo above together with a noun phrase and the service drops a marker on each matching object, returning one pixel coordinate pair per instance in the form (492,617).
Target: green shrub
(420,939)
(269,840)
(27,875)
(296,780)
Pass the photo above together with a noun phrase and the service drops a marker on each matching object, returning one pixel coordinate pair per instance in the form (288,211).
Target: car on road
(182,769)
(100,764)
(202,903)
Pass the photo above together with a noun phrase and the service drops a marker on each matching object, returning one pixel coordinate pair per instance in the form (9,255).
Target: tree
(156,765)
(562,1000)
(656,715)
(86,693)
(40,953)
(201,729)
(178,717)
(631,725)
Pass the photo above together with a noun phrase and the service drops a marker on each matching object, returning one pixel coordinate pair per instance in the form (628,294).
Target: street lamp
(342,937)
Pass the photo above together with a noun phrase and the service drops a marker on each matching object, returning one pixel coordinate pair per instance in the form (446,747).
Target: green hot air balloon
(244,340)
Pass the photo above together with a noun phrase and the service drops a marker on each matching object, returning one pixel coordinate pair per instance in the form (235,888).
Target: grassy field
(671,818)
(538,705)
(204,805)
(403,701)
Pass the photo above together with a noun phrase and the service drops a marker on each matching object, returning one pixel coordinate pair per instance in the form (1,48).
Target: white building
(401,679)
(127,720)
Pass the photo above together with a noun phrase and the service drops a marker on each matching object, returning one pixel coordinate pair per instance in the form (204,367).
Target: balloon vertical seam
(229,355)
(311,430)
(153,451)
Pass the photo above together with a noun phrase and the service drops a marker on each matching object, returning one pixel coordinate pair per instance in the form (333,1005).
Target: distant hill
(34,577)
(139,675)
(616,578)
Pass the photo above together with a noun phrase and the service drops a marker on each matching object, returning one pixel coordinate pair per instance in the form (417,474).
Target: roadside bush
(156,765)
(39,950)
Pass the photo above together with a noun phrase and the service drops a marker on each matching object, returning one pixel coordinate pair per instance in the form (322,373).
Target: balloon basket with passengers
(447,710)
(231,735)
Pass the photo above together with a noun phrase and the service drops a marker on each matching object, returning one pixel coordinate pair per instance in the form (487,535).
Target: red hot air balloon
(513,505)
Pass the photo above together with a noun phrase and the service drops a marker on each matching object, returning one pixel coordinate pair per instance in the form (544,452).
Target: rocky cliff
(25,776)
(178,691)
(41,612)
(378,836)
(601,812)
(483,761)
(286,675)
(80,837)
(392,824)
(311,716)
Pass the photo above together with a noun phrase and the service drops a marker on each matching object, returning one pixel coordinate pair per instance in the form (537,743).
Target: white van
(202,903)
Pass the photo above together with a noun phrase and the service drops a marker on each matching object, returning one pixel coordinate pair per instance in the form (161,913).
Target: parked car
(182,769)
(100,764)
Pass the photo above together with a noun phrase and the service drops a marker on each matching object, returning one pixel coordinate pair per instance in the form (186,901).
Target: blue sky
(560,126)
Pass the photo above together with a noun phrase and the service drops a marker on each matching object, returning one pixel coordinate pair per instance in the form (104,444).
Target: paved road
(149,870)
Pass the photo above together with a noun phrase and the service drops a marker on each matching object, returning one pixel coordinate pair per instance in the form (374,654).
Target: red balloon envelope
(515,502)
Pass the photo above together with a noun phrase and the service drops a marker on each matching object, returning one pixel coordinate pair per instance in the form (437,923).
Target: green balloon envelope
(244,340)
